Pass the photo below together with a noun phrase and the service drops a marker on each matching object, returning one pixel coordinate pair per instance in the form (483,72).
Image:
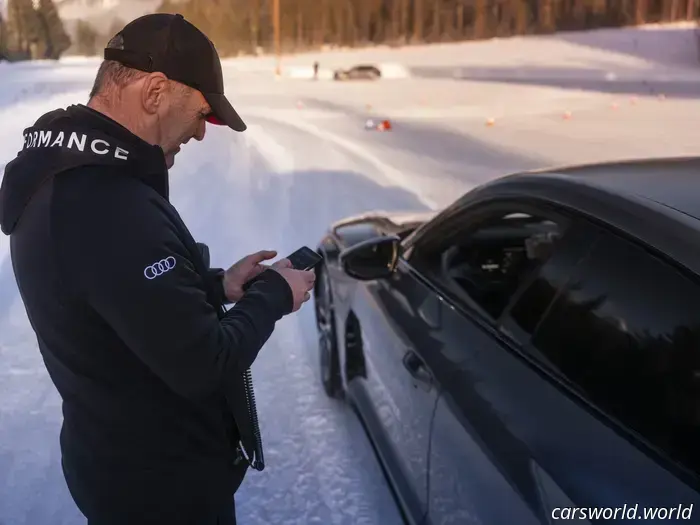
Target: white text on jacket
(76,141)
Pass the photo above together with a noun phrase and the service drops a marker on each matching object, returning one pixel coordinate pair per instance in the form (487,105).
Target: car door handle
(416,367)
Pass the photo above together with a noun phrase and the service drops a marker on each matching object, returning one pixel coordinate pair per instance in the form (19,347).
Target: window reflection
(626,331)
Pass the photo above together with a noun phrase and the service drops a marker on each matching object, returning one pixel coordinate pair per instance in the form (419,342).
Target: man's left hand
(243,271)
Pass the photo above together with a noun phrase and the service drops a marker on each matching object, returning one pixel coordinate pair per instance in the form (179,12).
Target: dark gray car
(530,353)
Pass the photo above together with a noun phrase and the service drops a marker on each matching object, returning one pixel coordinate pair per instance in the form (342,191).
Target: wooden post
(418,20)
(675,10)
(276,25)
(300,29)
(641,12)
(460,20)
(479,30)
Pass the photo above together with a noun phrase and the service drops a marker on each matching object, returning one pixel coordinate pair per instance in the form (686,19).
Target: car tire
(329,360)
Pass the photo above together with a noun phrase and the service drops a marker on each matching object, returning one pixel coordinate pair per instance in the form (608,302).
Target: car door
(535,424)
(621,340)
(398,317)
(480,470)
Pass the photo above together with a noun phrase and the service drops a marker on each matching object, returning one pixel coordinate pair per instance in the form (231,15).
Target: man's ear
(153,92)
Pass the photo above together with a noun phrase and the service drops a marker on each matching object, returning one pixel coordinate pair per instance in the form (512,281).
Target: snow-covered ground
(307,160)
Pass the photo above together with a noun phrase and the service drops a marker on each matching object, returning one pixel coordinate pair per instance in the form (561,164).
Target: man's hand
(300,281)
(243,271)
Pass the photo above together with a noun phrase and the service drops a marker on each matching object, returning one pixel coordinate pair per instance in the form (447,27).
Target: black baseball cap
(171,45)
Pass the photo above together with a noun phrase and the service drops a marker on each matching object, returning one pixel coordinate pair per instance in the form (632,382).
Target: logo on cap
(117,42)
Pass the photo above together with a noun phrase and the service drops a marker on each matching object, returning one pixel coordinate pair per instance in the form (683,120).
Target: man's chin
(170,160)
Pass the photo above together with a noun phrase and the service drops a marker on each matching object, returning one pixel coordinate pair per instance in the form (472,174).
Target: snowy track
(277,186)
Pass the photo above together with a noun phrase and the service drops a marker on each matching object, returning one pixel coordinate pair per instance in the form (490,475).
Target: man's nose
(201,131)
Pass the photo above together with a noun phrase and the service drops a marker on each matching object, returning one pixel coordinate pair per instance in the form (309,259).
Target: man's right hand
(300,281)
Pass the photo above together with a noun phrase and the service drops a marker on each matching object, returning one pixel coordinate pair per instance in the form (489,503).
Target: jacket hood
(71,138)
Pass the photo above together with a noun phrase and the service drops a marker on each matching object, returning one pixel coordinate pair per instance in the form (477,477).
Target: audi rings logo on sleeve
(159,268)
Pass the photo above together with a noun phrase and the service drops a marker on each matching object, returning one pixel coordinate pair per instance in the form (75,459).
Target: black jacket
(129,321)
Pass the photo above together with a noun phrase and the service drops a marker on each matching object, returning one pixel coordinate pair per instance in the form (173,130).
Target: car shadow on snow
(573,78)
(667,46)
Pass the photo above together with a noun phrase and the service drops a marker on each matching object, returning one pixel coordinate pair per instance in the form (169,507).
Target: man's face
(183,119)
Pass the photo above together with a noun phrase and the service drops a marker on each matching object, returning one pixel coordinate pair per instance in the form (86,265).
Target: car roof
(670,182)
(655,201)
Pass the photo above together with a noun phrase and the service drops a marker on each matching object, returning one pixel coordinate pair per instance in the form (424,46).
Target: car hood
(392,221)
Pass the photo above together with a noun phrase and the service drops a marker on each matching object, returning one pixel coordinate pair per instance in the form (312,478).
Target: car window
(531,303)
(484,262)
(625,332)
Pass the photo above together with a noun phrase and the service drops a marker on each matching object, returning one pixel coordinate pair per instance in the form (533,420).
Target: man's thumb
(283,263)
(264,255)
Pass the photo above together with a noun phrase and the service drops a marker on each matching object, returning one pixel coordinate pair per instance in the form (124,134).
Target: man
(129,319)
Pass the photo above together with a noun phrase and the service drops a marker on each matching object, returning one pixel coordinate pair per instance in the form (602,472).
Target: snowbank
(394,70)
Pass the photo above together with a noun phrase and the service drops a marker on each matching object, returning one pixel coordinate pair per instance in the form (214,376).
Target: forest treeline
(248,26)
(33,28)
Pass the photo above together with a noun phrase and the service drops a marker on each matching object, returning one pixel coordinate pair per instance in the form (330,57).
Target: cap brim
(223,112)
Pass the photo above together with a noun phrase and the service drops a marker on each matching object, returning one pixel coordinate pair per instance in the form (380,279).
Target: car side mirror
(371,259)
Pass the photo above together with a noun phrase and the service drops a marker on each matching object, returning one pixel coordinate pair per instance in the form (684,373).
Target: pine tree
(167,6)
(223,23)
(546,16)
(480,19)
(641,11)
(85,39)
(24,31)
(418,20)
(3,39)
(116,26)
(102,40)
(55,36)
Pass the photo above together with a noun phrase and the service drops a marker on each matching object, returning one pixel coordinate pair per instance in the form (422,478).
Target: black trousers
(224,516)
(153,498)
(227,516)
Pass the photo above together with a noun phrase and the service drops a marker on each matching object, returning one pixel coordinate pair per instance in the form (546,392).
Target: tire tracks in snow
(254,191)
(391,176)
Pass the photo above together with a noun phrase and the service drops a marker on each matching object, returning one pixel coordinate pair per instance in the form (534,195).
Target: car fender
(343,291)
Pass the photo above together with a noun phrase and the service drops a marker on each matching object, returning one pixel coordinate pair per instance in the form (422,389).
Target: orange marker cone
(384,125)
(567,115)
(490,122)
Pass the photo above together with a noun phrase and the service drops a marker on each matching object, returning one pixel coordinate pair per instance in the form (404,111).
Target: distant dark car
(531,351)
(366,72)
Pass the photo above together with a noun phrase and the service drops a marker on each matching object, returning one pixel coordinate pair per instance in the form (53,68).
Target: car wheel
(327,340)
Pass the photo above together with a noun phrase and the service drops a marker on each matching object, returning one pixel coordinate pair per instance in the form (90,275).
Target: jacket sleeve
(215,277)
(137,274)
